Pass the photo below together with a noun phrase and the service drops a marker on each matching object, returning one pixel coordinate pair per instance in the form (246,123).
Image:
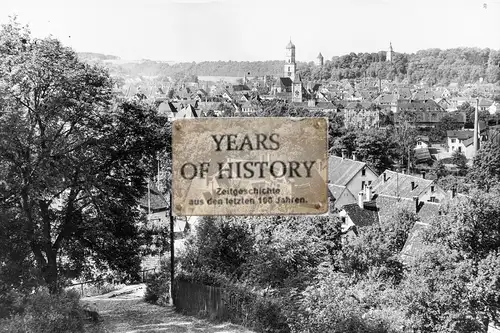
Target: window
(432,188)
(363,172)
(369,182)
(453,140)
(363,185)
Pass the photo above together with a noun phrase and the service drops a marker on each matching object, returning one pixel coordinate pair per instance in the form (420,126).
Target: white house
(349,173)
(494,108)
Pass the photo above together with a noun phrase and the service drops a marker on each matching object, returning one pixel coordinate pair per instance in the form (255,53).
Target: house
(403,93)
(463,141)
(423,113)
(249,107)
(494,108)
(414,245)
(423,155)
(357,215)
(456,139)
(350,174)
(485,104)
(339,196)
(187,112)
(403,186)
(167,109)
(284,84)
(364,118)
(422,142)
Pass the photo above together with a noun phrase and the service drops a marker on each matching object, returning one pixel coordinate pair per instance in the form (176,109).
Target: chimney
(415,199)
(354,156)
(413,186)
(385,177)
(368,192)
(423,174)
(344,153)
(360,199)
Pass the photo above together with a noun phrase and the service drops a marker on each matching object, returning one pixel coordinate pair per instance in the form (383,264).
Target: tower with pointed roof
(290,66)
(319,60)
(297,89)
(390,53)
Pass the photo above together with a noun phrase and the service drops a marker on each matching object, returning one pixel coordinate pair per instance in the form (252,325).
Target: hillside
(463,65)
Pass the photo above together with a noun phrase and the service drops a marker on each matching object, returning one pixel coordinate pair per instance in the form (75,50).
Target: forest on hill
(461,65)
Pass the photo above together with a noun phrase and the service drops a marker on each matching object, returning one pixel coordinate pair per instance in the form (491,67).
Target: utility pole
(476,127)
(172,262)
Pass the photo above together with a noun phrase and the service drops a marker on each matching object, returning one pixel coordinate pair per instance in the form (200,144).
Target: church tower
(297,90)
(319,60)
(390,53)
(290,66)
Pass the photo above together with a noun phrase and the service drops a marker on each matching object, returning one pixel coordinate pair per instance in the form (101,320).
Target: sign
(249,166)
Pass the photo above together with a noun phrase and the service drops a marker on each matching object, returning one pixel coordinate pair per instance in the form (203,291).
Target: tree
(219,245)
(73,168)
(485,170)
(372,147)
(459,159)
(447,123)
(405,138)
(439,169)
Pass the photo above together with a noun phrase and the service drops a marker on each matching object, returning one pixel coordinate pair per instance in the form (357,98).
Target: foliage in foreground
(300,277)
(73,164)
(42,312)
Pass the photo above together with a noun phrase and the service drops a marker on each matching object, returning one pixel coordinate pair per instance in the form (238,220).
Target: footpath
(125,311)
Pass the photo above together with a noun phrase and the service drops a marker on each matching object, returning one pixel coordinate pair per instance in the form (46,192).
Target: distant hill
(462,65)
(96,56)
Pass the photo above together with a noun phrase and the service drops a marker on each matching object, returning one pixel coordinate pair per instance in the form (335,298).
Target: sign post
(249,166)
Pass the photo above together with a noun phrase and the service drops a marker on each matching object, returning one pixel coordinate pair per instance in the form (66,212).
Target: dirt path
(124,311)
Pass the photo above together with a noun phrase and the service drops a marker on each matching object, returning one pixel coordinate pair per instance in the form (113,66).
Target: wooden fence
(214,302)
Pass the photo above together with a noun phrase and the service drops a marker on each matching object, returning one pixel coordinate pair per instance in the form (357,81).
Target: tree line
(461,65)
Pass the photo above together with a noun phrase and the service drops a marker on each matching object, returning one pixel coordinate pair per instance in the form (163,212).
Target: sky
(253,30)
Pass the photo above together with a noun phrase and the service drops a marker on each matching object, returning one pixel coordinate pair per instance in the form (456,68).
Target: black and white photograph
(264,166)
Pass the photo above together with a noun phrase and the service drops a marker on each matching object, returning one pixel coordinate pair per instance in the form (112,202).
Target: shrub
(263,314)
(11,303)
(157,289)
(46,313)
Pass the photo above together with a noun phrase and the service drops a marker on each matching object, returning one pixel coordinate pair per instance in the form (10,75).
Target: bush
(46,313)
(263,314)
(157,289)
(11,303)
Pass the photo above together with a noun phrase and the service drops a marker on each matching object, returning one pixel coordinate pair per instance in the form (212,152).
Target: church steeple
(290,66)
(319,60)
(390,53)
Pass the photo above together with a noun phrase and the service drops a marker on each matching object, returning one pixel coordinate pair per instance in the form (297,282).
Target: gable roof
(461,135)
(414,243)
(188,112)
(422,155)
(359,216)
(400,185)
(340,195)
(153,199)
(285,81)
(387,205)
(342,170)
